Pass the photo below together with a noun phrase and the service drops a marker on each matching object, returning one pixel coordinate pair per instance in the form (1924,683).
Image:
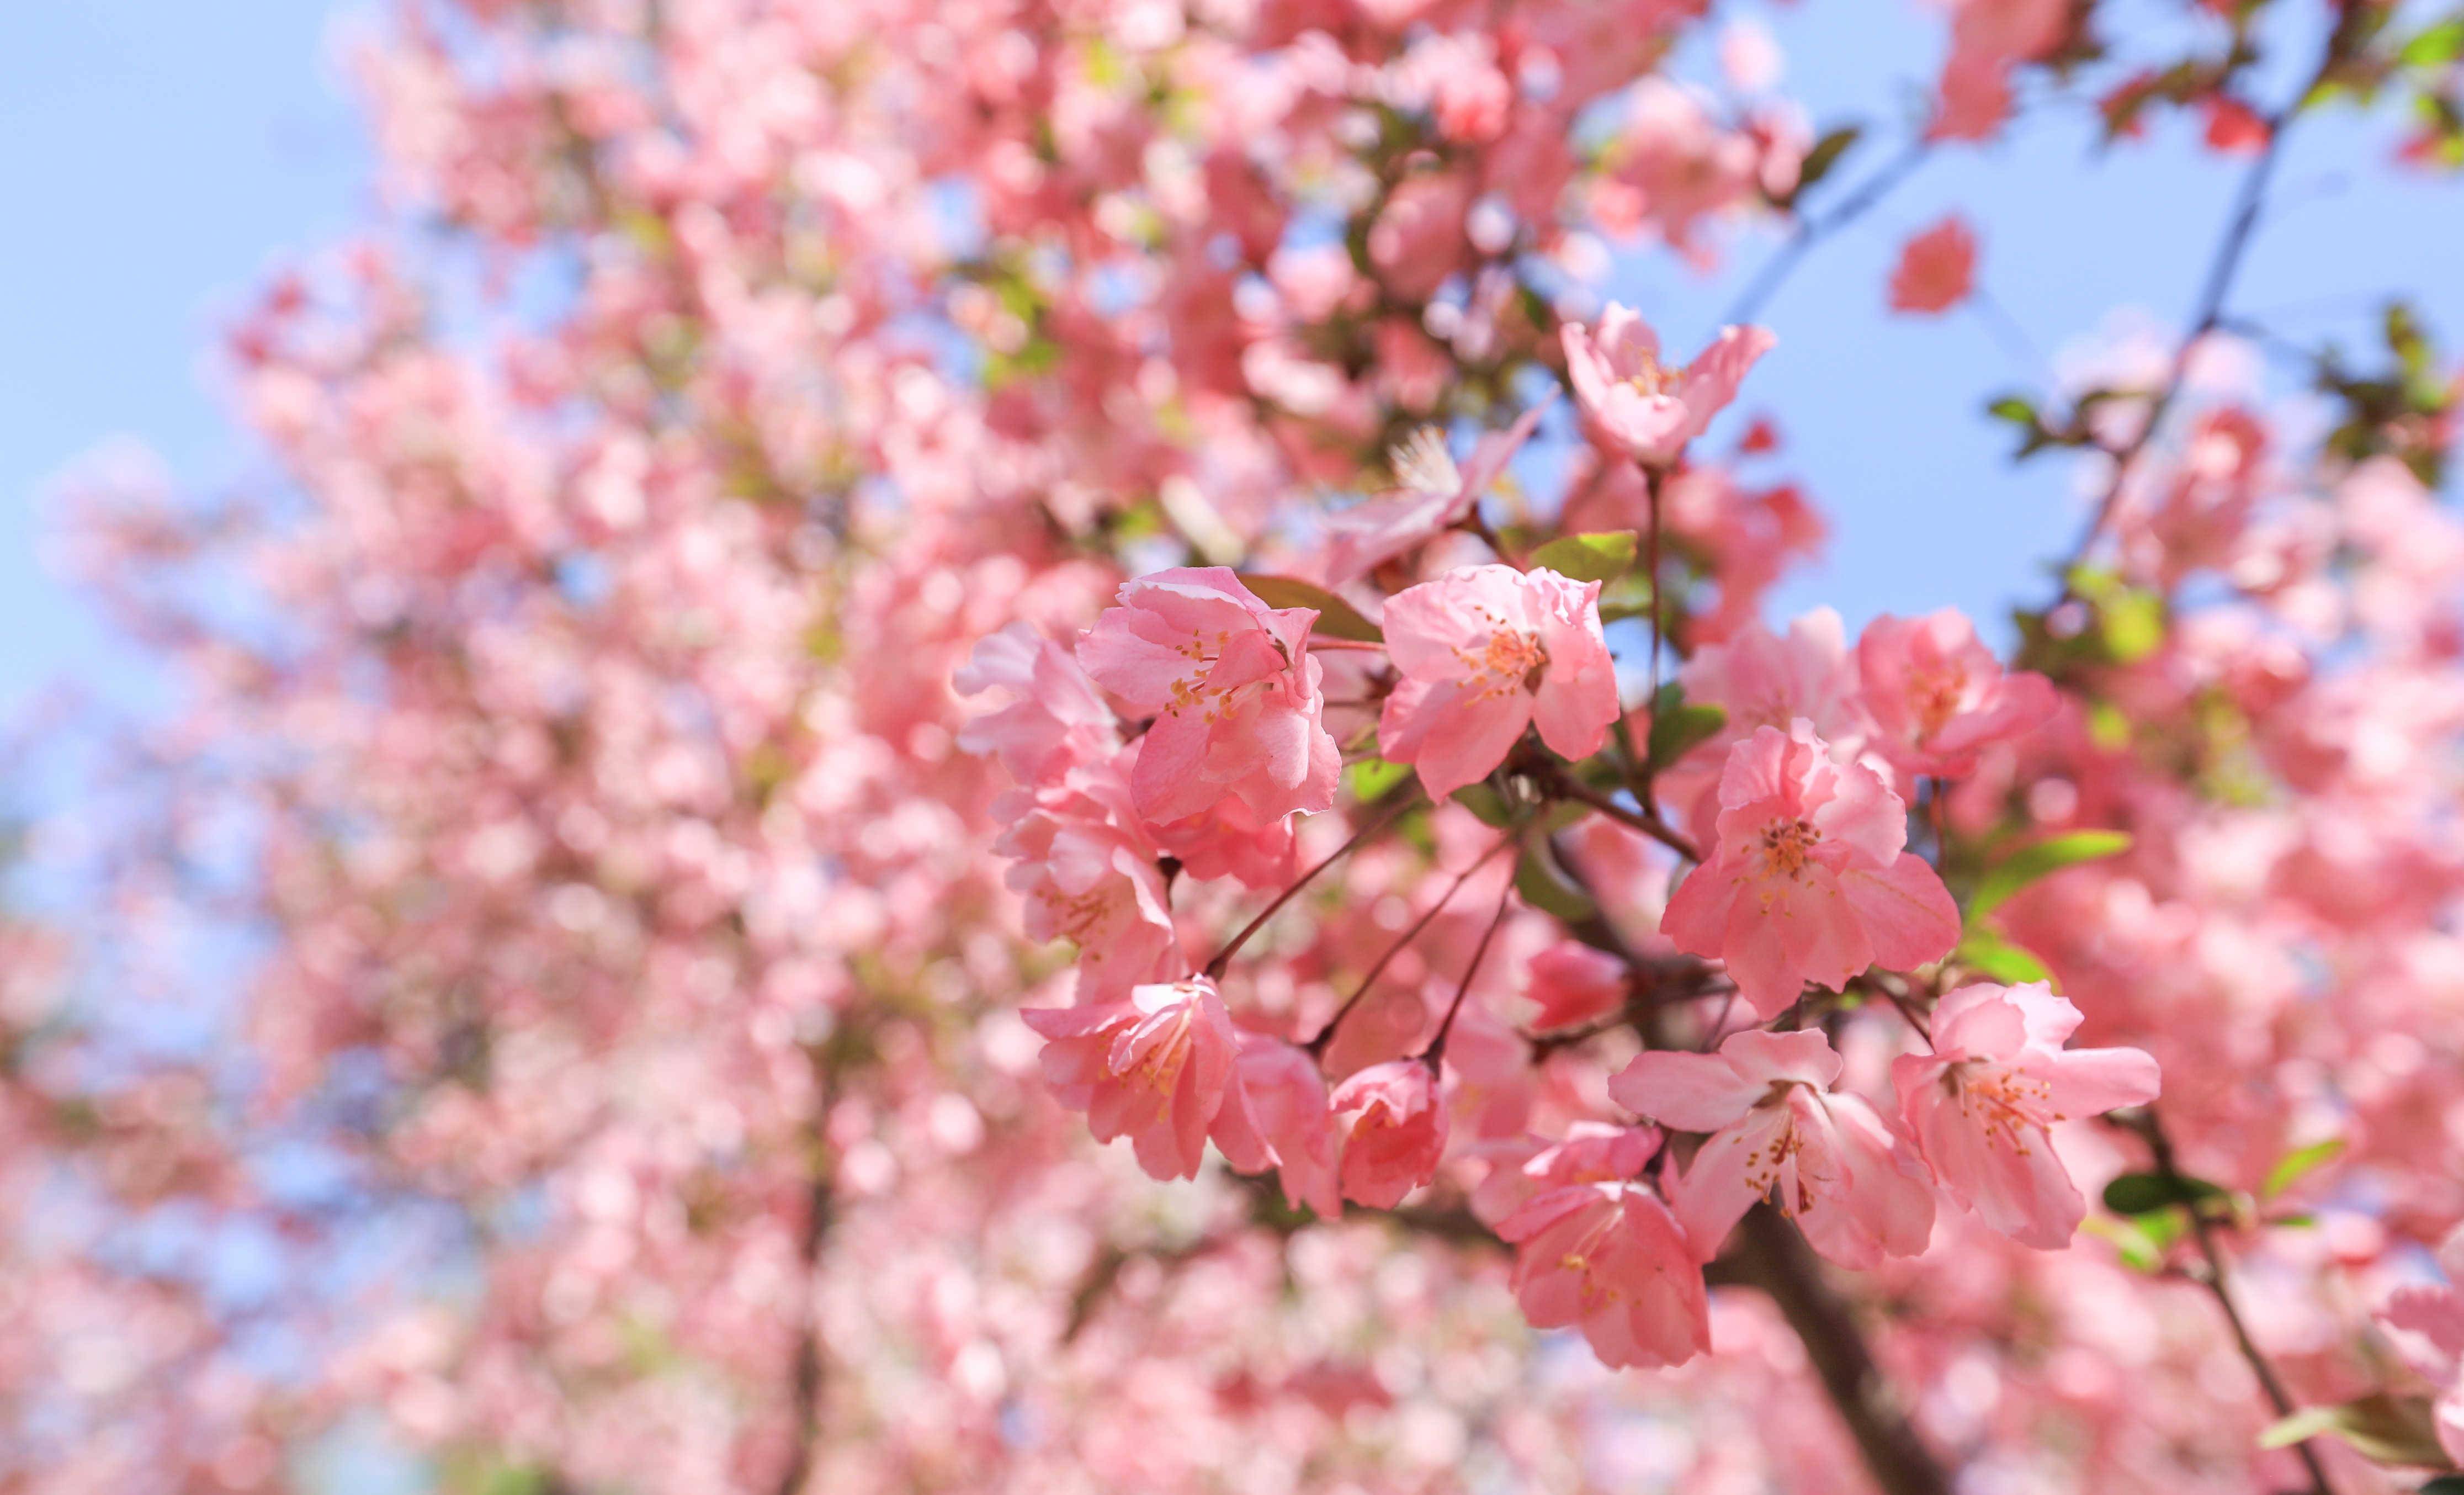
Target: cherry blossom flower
(1432,495)
(1574,983)
(1276,1115)
(1054,719)
(1394,1131)
(1981,1104)
(1938,695)
(1611,1258)
(2427,1324)
(1808,881)
(1650,410)
(1233,690)
(1525,1167)
(1485,652)
(1153,1069)
(1088,873)
(1937,269)
(1778,1131)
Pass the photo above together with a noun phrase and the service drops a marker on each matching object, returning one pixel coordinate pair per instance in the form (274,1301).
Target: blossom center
(1511,660)
(2011,1106)
(1937,693)
(1653,378)
(1787,845)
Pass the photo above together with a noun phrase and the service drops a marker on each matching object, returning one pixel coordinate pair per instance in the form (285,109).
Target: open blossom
(1152,1069)
(1232,689)
(2427,1324)
(1634,402)
(1937,269)
(1276,1115)
(1766,679)
(1981,1102)
(1228,839)
(1433,493)
(1808,881)
(1777,1130)
(1054,719)
(1611,1258)
(1088,873)
(1938,695)
(1394,1131)
(1485,652)
(1525,1167)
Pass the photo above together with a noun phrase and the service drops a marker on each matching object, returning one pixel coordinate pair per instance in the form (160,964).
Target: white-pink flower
(1634,403)
(1778,1131)
(1153,1069)
(1981,1105)
(1485,652)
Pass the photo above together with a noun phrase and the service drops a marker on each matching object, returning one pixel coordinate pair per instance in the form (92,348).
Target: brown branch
(806,1378)
(1222,959)
(1768,1253)
(1646,819)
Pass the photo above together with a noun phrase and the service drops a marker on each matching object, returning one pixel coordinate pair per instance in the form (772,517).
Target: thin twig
(1222,960)
(1810,231)
(1436,1051)
(1646,821)
(1326,1034)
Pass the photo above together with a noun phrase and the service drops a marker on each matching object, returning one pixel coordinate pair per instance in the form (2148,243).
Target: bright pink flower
(1766,679)
(1433,494)
(1808,881)
(1853,1185)
(1395,1131)
(1228,839)
(1232,689)
(1593,1152)
(1574,983)
(1485,652)
(1088,873)
(1153,1069)
(1981,1102)
(1937,269)
(1276,1115)
(1611,1258)
(1634,403)
(1938,695)
(2426,1324)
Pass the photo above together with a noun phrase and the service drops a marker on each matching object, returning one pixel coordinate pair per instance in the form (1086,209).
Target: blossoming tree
(887,592)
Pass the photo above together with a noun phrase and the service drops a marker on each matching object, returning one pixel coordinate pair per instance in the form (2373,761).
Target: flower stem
(1222,960)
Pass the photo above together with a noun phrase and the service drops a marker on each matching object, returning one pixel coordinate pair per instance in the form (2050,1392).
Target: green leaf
(2030,863)
(1335,617)
(1484,804)
(2138,1249)
(2381,1428)
(1373,778)
(2298,1164)
(1545,886)
(2445,1485)
(1987,953)
(1589,557)
(2144,1194)
(1825,155)
(2018,409)
(2132,624)
(2435,46)
(1678,728)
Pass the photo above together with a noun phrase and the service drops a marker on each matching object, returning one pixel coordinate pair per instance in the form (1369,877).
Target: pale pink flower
(1574,983)
(1778,1131)
(1153,1069)
(2426,1324)
(1228,839)
(1611,1258)
(1981,1104)
(1394,1131)
(1766,679)
(1937,696)
(1088,873)
(1233,690)
(1634,403)
(1431,494)
(1485,652)
(1276,1115)
(1808,881)
(1937,269)
(1054,719)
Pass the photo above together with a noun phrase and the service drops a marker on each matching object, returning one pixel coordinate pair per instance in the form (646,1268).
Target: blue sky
(165,155)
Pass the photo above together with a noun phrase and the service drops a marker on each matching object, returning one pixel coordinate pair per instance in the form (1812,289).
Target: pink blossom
(1777,1130)
(2426,1324)
(1433,494)
(1232,689)
(1611,1258)
(1153,1069)
(1088,873)
(1053,718)
(1937,269)
(1485,652)
(1634,403)
(1938,695)
(1592,1152)
(1394,1131)
(1276,1115)
(1981,1104)
(1764,679)
(1574,983)
(1808,881)
(1228,839)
